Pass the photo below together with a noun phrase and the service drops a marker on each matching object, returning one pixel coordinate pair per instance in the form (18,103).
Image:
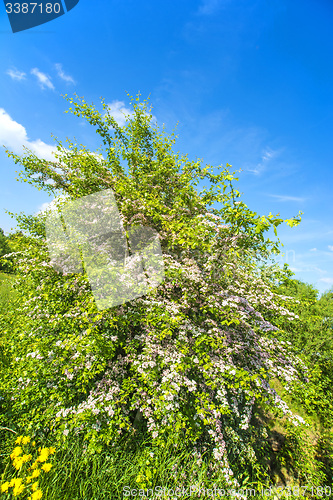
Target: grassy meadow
(136,469)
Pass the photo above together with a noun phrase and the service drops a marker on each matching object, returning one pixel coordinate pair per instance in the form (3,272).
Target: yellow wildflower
(39,449)
(36,472)
(37,495)
(44,455)
(18,463)
(16,452)
(18,490)
(5,486)
(34,486)
(18,440)
(47,467)
(26,458)
(28,480)
(26,440)
(52,450)
(34,443)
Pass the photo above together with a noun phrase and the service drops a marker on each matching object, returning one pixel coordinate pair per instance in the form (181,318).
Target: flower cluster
(28,482)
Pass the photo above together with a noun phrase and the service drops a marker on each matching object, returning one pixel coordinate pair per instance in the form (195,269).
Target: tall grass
(134,469)
(7,294)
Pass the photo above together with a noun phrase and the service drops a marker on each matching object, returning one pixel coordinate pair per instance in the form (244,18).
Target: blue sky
(250,83)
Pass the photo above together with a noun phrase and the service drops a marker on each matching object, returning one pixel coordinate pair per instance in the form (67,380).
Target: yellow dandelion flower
(34,465)
(16,483)
(5,486)
(26,458)
(34,486)
(16,452)
(52,450)
(44,455)
(36,472)
(18,490)
(47,467)
(18,463)
(34,443)
(18,440)
(28,479)
(26,440)
(37,495)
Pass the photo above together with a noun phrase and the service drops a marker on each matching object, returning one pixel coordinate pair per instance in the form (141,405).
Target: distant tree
(4,249)
(312,332)
(326,306)
(311,335)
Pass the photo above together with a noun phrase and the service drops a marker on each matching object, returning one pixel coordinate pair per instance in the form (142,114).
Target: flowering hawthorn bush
(193,358)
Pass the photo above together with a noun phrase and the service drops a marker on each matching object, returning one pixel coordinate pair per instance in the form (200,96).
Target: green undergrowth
(137,469)
(7,293)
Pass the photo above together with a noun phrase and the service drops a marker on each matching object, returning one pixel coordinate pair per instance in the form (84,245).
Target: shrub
(192,359)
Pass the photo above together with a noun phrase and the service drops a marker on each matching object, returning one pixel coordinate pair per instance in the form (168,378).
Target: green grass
(115,471)
(7,294)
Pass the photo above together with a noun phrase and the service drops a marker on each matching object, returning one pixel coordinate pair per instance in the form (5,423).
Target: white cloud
(63,75)
(282,197)
(15,74)
(98,156)
(330,247)
(13,135)
(45,206)
(53,204)
(118,111)
(312,250)
(43,79)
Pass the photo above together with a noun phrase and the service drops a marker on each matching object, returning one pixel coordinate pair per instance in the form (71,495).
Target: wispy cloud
(300,234)
(15,74)
(330,247)
(14,136)
(43,79)
(312,250)
(63,75)
(283,197)
(327,280)
(266,157)
(209,7)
